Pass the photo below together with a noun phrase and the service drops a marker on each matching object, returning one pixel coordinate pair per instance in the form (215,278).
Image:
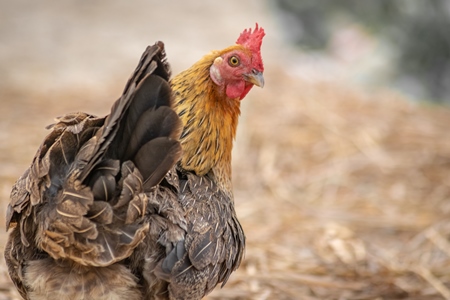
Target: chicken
(138,204)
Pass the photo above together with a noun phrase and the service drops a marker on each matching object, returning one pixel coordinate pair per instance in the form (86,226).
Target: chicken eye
(234,61)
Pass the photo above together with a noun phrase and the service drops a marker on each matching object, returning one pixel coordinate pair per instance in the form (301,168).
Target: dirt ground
(343,192)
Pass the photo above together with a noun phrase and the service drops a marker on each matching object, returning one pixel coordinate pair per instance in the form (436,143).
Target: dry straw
(342,194)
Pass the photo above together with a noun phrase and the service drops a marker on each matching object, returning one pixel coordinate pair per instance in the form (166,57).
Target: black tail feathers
(83,197)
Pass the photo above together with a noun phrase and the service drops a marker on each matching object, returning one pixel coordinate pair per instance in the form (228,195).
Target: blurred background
(341,164)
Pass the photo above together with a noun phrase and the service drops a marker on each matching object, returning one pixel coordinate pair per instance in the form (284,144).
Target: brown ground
(343,193)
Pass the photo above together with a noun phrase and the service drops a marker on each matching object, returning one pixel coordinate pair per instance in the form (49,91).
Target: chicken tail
(84,196)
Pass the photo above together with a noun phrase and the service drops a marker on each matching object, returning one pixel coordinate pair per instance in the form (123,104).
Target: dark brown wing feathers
(136,89)
(69,201)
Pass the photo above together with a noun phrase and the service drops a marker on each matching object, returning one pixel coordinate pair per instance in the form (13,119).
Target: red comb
(253,41)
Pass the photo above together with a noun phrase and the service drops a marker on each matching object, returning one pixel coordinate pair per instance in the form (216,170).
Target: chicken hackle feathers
(207,100)
(138,204)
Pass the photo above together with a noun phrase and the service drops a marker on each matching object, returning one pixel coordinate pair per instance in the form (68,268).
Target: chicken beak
(256,78)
